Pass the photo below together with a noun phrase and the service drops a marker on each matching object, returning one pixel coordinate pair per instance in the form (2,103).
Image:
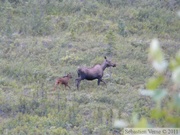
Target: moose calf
(64,81)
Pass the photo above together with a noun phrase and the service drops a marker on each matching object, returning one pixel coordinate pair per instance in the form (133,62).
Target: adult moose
(95,72)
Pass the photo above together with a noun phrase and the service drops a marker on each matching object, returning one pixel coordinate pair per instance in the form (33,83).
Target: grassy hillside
(42,40)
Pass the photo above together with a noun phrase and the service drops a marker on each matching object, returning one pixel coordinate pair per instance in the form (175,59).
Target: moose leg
(103,81)
(56,84)
(78,82)
(68,86)
(55,87)
(100,80)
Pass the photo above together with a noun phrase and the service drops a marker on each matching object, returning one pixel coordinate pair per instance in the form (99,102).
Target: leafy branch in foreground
(166,112)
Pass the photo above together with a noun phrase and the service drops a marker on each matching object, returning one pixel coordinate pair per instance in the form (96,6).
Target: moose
(63,80)
(95,72)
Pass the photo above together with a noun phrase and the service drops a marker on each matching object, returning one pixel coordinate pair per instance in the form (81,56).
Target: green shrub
(59,131)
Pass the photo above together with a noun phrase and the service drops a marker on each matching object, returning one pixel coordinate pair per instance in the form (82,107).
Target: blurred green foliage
(165,112)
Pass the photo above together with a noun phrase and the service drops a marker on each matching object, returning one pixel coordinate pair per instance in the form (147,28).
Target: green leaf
(155,52)
(173,64)
(159,95)
(154,82)
(135,118)
(173,119)
(178,57)
(147,92)
(142,123)
(160,66)
(177,100)
(156,56)
(157,114)
(176,76)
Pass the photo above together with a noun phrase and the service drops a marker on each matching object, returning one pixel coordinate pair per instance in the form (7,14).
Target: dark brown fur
(96,72)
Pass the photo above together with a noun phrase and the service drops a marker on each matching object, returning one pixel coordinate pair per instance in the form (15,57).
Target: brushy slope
(41,40)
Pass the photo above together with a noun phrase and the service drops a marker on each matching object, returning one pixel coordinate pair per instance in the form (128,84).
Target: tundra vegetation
(41,40)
